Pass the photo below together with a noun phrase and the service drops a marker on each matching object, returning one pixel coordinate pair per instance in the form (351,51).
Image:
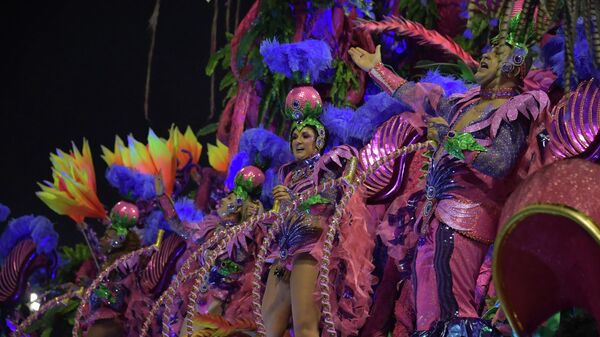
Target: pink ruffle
(354,249)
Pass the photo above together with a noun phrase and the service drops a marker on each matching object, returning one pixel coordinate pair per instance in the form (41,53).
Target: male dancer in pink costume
(482,136)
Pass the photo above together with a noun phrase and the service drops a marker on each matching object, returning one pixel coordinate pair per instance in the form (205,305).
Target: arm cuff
(386,79)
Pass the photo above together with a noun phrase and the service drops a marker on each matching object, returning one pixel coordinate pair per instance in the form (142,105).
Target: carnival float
(369,177)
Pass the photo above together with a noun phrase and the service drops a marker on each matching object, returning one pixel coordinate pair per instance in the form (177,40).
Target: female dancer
(298,248)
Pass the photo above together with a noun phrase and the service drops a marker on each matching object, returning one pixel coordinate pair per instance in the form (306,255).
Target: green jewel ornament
(229,267)
(316,199)
(103,292)
(462,141)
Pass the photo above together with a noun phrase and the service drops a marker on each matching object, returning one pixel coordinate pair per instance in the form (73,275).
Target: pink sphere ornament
(254,173)
(126,213)
(303,102)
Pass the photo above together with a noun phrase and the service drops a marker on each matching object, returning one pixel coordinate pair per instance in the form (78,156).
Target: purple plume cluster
(38,228)
(261,148)
(450,84)
(308,58)
(4,212)
(266,150)
(554,56)
(356,127)
(131,184)
(186,211)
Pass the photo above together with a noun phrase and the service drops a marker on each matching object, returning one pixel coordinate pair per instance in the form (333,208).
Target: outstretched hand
(363,59)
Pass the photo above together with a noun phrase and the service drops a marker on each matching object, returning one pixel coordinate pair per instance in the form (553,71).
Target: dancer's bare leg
(305,310)
(276,306)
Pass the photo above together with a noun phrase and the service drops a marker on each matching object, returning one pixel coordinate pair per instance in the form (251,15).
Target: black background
(75,69)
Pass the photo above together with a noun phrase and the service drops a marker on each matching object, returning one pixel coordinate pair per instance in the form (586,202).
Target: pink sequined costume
(304,232)
(455,214)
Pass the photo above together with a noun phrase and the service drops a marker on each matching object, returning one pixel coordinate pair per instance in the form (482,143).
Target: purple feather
(38,228)
(4,212)
(450,84)
(308,58)
(43,234)
(356,128)
(271,180)
(186,211)
(264,148)
(554,56)
(131,184)
(241,160)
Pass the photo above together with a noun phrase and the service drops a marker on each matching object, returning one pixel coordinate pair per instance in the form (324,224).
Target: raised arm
(424,98)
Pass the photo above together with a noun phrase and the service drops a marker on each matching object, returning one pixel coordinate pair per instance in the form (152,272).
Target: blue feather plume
(554,56)
(38,228)
(450,84)
(4,212)
(261,148)
(271,180)
(186,211)
(356,127)
(239,161)
(307,58)
(131,184)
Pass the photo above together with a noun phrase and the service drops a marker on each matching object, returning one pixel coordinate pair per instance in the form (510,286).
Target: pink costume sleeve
(421,97)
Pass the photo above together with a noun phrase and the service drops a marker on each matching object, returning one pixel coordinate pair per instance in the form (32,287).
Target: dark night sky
(74,69)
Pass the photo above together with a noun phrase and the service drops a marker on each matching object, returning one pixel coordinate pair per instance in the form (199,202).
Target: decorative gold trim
(561,210)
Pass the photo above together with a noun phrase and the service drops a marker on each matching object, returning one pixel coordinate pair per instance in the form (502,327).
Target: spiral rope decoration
(181,277)
(209,261)
(256,276)
(332,230)
(220,243)
(59,300)
(351,182)
(103,275)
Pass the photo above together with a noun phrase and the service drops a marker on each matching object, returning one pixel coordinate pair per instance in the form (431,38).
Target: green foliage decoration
(344,80)
(426,13)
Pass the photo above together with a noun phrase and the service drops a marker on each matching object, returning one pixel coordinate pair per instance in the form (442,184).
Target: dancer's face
(304,143)
(489,73)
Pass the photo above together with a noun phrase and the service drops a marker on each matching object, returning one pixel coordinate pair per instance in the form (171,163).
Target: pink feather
(422,35)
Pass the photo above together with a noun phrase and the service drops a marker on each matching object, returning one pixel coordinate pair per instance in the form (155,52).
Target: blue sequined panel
(460,327)
(296,231)
(440,178)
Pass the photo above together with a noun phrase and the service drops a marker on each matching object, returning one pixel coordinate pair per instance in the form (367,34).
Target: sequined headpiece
(303,105)
(516,60)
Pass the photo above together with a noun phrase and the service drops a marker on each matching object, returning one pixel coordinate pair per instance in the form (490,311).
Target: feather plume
(554,56)
(307,58)
(131,184)
(4,212)
(186,211)
(206,325)
(38,228)
(422,35)
(356,127)
(450,84)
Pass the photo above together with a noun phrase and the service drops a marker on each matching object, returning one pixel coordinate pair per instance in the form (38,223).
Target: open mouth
(483,65)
